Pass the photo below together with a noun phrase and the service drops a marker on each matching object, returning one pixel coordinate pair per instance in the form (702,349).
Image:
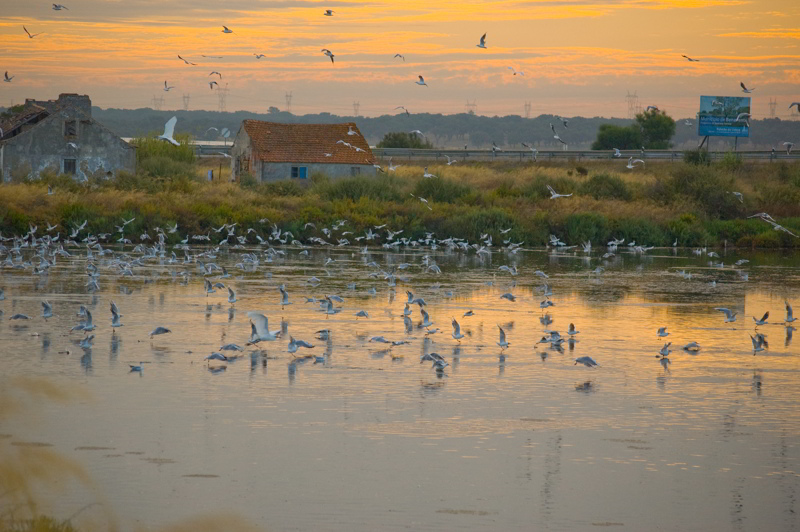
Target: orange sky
(580,57)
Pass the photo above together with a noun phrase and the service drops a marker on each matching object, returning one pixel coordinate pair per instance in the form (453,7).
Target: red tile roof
(273,142)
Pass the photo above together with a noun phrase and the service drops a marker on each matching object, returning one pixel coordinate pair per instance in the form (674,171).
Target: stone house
(270,151)
(61,136)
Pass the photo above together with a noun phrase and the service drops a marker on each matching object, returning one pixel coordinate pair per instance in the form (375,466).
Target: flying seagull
(421,81)
(328,53)
(217,73)
(653,107)
(167,88)
(403,108)
(730,315)
(632,163)
(187,62)
(793,104)
(211,56)
(169,129)
(554,194)
(690,59)
(329,12)
(482,44)
(789,145)
(59,7)
(745,89)
(6,77)
(226,30)
(404,60)
(745,116)
(211,84)
(30,35)
(515,72)
(258,56)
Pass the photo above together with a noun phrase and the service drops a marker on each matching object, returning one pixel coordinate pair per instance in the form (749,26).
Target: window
(299,172)
(70,128)
(70,166)
(355,170)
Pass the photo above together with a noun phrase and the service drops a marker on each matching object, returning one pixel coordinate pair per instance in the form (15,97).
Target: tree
(623,138)
(404,140)
(657,129)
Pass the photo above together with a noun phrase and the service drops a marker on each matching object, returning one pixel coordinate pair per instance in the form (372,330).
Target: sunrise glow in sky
(580,57)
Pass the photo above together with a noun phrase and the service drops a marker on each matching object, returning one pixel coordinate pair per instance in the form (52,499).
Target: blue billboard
(724,116)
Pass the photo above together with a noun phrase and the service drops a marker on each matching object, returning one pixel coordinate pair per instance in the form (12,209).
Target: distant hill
(445,131)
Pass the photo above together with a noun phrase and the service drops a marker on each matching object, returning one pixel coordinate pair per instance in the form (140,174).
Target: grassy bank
(652,206)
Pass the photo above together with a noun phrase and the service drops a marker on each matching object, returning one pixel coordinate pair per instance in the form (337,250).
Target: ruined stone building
(60,136)
(271,151)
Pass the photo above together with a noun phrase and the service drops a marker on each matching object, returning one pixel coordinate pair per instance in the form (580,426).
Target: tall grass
(691,203)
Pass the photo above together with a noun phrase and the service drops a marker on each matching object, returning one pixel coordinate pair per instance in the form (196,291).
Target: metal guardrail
(398,154)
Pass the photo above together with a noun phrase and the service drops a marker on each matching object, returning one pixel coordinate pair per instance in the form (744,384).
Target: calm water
(371,439)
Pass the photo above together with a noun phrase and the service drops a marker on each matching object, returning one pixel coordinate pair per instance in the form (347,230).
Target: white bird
(730,315)
(789,316)
(759,343)
(651,107)
(745,89)
(509,296)
(217,73)
(295,344)
(231,296)
(554,194)
(662,332)
(133,366)
(350,131)
(457,331)
(586,361)
(515,72)
(692,346)
(216,356)
(167,88)
(403,108)
(739,196)
(362,314)
(329,12)
(690,59)
(187,62)
(226,30)
(763,320)
(59,7)
(6,77)
(502,343)
(482,44)
(30,35)
(427,174)
(632,163)
(259,329)
(789,145)
(158,330)
(47,310)
(665,350)
(259,56)
(572,330)
(211,84)
(328,53)
(404,59)
(450,161)
(169,129)
(745,116)
(421,81)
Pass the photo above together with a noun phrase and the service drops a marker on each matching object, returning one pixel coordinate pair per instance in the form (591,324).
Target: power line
(527,109)
(222,95)
(471,108)
(633,104)
(356,107)
(157,102)
(289,102)
(186,98)
(773,104)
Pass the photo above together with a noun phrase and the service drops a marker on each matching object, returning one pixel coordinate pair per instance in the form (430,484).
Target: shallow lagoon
(370,439)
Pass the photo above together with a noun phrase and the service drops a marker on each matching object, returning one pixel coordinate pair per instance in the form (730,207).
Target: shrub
(147,147)
(384,188)
(441,189)
(588,226)
(708,189)
(731,161)
(697,157)
(536,188)
(605,186)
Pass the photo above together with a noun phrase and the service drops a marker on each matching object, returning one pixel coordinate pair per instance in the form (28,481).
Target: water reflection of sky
(369,438)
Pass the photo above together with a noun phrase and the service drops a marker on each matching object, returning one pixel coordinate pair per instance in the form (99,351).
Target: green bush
(441,190)
(587,226)
(708,189)
(698,157)
(386,188)
(536,188)
(605,186)
(147,147)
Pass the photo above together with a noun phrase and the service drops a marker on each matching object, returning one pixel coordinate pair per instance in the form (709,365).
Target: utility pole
(527,109)
(186,98)
(222,94)
(157,102)
(356,107)
(289,102)
(773,104)
(471,108)
(633,104)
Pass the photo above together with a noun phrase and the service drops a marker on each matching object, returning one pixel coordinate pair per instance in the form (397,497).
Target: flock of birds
(38,253)
(482,44)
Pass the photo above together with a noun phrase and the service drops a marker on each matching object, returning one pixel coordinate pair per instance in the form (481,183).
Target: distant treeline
(445,131)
